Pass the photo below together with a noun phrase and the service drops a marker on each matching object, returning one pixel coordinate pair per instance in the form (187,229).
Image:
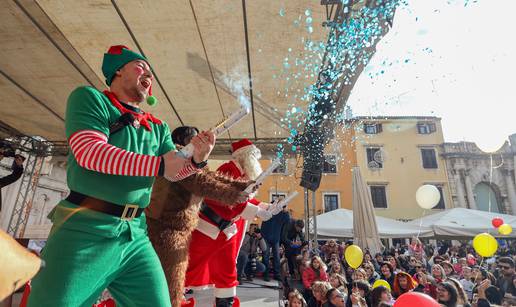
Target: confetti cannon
(251,188)
(277,206)
(223,126)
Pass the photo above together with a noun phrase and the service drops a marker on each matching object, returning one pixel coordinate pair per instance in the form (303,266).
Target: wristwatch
(200,164)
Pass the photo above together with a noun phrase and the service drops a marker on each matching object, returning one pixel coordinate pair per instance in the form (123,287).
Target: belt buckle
(130,212)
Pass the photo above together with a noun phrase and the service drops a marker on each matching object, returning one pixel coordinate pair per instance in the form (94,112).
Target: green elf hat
(116,57)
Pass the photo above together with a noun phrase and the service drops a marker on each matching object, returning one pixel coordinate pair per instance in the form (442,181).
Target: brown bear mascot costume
(173,214)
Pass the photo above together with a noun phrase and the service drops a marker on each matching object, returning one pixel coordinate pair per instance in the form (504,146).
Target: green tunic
(89,109)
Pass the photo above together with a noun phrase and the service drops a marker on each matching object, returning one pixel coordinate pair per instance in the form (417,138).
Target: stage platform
(257,293)
(252,294)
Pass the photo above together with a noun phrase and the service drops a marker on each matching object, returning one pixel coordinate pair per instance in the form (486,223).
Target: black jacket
(290,234)
(7,180)
(505,285)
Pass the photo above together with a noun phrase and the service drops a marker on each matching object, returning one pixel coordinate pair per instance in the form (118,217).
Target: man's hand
(173,164)
(203,145)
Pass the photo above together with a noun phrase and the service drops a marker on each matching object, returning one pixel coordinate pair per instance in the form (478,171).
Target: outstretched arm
(15,175)
(215,186)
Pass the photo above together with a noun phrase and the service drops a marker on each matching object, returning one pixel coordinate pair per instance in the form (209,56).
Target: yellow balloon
(485,244)
(505,229)
(354,256)
(381,282)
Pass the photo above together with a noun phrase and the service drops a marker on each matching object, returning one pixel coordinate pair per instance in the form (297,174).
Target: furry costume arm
(215,186)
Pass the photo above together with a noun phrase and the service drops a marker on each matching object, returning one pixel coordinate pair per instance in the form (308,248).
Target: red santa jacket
(247,210)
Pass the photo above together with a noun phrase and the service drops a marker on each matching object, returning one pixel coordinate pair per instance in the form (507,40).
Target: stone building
(479,180)
(50,189)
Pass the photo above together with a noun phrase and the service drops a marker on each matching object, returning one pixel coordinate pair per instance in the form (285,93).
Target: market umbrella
(365,230)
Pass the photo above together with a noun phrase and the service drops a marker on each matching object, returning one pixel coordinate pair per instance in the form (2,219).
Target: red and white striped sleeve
(186,171)
(93,152)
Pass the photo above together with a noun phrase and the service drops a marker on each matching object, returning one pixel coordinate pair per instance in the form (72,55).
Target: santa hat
(242,146)
(116,57)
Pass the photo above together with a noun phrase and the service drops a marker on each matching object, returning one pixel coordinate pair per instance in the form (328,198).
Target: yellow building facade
(397,155)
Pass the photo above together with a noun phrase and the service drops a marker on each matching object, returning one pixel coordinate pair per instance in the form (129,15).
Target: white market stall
(339,224)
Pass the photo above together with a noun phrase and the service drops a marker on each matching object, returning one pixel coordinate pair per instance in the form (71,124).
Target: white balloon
(427,196)
(490,144)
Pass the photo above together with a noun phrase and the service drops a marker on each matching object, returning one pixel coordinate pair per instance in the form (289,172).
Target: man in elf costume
(216,241)
(99,238)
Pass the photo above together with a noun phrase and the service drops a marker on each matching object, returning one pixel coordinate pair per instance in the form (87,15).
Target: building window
(331,202)
(372,128)
(374,157)
(282,168)
(429,158)
(330,164)
(378,196)
(440,204)
(277,196)
(426,128)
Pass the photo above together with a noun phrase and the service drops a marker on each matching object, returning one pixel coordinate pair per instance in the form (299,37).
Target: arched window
(485,193)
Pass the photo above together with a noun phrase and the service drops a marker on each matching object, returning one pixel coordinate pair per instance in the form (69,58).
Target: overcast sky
(461,67)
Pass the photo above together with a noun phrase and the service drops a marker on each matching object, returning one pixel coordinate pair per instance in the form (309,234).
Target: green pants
(88,251)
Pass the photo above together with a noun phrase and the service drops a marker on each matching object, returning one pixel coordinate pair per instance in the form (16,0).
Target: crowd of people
(453,275)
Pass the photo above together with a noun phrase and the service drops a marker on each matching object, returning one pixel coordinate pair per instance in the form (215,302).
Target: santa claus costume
(217,239)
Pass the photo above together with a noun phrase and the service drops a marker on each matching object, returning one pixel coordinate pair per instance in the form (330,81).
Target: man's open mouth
(145,83)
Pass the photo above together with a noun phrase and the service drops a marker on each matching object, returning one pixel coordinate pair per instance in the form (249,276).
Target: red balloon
(411,299)
(497,222)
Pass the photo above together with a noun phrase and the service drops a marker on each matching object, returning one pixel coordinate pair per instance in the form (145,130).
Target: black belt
(127,212)
(214,217)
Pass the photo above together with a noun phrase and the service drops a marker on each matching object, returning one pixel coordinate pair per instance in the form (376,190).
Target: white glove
(276,207)
(263,214)
(264,206)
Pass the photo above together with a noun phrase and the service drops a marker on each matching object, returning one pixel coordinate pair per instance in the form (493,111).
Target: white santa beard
(251,166)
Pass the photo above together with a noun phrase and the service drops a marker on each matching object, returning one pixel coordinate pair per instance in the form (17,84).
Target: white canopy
(461,222)
(339,224)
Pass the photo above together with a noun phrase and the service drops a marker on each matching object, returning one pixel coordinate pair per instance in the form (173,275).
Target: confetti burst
(328,65)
